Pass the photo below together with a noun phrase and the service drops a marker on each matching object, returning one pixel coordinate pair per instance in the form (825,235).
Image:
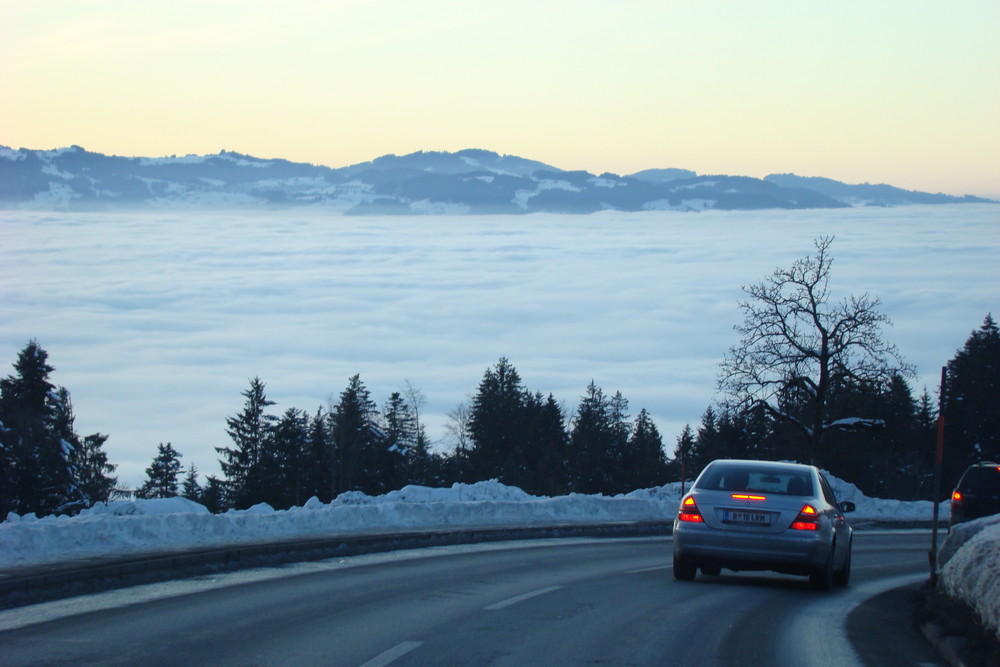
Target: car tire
(842,577)
(822,578)
(683,570)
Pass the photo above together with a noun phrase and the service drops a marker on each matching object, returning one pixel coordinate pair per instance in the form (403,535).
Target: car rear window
(981,478)
(739,478)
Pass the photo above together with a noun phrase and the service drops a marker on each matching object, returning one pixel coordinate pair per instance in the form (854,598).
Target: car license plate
(747,517)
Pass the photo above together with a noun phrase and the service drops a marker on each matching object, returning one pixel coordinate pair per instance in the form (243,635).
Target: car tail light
(746,496)
(807,519)
(956,499)
(689,511)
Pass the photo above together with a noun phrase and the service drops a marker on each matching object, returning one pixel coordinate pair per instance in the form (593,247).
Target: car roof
(776,465)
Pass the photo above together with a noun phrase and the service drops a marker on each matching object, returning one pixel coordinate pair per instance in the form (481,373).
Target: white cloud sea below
(155,321)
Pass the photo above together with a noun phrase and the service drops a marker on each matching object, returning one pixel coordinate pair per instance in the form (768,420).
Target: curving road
(545,602)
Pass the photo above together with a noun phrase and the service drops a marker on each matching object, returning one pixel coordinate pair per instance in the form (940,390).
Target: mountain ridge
(469,181)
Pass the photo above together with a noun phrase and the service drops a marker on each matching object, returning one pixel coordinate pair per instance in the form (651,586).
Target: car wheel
(684,571)
(843,576)
(822,578)
(711,570)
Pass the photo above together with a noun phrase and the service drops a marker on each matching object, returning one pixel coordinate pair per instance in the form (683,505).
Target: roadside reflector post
(932,556)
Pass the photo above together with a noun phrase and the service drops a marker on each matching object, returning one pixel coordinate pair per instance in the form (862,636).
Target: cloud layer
(156,321)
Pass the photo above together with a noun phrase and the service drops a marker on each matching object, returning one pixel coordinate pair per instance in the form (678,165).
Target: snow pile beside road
(970,571)
(125,527)
(879,509)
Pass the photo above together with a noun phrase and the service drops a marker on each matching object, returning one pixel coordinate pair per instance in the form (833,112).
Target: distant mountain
(865,194)
(465,182)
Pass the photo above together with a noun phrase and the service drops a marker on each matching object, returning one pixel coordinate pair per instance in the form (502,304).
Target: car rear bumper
(790,551)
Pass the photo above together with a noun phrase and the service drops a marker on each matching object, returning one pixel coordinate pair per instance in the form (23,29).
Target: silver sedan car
(763,515)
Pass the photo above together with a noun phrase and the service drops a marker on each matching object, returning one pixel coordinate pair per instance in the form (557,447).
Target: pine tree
(683,454)
(191,489)
(401,440)
(708,445)
(36,440)
(646,463)
(291,478)
(213,496)
(972,394)
(318,480)
(594,459)
(161,475)
(546,445)
(355,439)
(246,465)
(496,426)
(94,473)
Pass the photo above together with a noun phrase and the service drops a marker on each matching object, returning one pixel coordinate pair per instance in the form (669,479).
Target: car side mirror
(846,507)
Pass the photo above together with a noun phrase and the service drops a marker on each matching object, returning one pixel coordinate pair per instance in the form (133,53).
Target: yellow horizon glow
(906,93)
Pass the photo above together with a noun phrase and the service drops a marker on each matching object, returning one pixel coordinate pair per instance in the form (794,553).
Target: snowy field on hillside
(156,321)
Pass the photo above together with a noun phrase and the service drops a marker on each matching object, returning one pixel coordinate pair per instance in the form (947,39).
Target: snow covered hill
(465,182)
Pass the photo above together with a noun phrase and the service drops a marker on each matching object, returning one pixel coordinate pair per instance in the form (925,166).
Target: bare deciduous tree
(795,346)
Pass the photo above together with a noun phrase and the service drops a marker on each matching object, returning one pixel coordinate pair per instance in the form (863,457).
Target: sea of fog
(156,321)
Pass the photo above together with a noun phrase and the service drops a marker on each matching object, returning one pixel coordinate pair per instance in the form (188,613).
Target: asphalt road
(543,602)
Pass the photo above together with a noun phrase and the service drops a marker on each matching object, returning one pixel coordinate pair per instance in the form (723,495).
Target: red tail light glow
(807,519)
(956,498)
(745,496)
(689,511)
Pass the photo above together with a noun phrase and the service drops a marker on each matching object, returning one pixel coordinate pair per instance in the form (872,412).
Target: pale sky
(903,92)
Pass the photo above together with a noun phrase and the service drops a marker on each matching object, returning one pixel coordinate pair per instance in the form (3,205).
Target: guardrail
(31,584)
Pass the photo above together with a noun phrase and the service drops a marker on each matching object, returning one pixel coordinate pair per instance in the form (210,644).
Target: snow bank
(970,567)
(969,557)
(879,509)
(123,527)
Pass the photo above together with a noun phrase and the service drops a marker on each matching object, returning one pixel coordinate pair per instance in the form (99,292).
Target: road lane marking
(396,652)
(649,569)
(521,598)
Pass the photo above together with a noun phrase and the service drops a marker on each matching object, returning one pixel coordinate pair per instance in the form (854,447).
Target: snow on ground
(970,567)
(121,527)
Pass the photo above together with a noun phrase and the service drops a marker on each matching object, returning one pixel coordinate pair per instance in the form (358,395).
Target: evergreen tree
(94,473)
(683,454)
(214,495)
(161,475)
(621,429)
(971,397)
(496,426)
(290,480)
(708,444)
(594,459)
(191,489)
(545,448)
(646,462)
(71,444)
(401,440)
(246,465)
(356,440)
(318,476)
(36,440)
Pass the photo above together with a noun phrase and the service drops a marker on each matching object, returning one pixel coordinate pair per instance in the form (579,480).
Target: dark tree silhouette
(796,347)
